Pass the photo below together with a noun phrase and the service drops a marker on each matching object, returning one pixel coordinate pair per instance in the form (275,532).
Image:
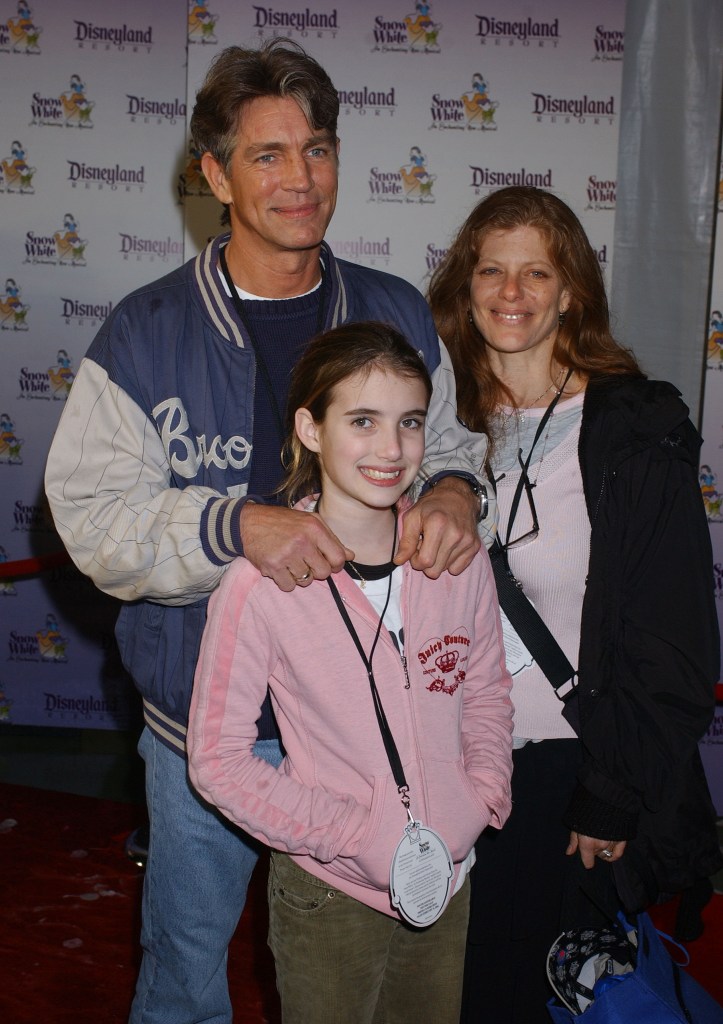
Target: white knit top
(552,567)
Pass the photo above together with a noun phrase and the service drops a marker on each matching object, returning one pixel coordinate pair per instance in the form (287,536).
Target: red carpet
(70,912)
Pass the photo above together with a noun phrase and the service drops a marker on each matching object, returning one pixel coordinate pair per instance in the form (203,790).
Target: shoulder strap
(530,627)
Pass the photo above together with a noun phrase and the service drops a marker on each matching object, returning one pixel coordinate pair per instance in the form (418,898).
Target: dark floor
(87,762)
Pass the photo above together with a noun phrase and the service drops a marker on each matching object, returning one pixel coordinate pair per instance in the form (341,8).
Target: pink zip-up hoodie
(333,804)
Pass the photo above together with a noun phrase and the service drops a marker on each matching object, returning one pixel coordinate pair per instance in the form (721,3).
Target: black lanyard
(526,464)
(241,313)
(390,746)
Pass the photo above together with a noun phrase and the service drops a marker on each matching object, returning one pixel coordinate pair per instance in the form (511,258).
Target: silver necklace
(362,581)
(520,413)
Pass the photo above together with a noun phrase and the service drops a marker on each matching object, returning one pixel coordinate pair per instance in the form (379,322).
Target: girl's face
(516,295)
(371,441)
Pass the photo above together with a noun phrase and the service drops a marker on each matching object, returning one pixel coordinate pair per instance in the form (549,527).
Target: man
(172,435)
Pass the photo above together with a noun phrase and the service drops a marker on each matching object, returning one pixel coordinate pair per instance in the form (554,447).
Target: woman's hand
(589,849)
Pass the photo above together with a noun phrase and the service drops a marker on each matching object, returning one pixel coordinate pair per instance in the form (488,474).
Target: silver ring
(606,853)
(304,578)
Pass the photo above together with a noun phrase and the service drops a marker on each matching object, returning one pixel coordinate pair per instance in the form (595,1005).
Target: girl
(392,700)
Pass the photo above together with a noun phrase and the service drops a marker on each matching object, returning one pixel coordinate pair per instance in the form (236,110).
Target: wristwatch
(478,489)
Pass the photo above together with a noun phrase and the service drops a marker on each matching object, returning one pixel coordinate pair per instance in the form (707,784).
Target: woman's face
(516,295)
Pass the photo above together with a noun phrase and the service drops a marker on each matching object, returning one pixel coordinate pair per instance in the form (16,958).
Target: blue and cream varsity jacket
(150,463)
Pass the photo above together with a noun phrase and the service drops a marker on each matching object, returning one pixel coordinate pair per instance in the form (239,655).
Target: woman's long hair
(330,359)
(583,343)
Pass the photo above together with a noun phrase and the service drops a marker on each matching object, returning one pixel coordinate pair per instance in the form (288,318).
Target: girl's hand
(589,849)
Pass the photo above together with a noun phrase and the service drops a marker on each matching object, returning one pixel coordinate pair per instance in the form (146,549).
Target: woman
(601,521)
(368,908)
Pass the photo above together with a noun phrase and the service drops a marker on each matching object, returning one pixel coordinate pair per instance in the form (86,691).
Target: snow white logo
(17,176)
(10,443)
(13,310)
(20,34)
(422,31)
(478,107)
(7,586)
(192,181)
(70,246)
(416,178)
(712,497)
(76,106)
(201,23)
(51,643)
(715,341)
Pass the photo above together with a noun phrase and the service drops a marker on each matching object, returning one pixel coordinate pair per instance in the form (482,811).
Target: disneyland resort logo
(146,110)
(19,33)
(573,109)
(526,32)
(600,194)
(51,384)
(63,247)
(367,100)
(472,110)
(99,177)
(150,249)
(16,174)
(410,183)
(303,21)
(13,311)
(609,43)
(69,109)
(10,443)
(485,178)
(84,314)
(124,38)
(46,644)
(414,32)
(65,708)
(370,252)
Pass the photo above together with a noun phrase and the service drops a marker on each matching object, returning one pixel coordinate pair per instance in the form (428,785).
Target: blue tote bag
(624,975)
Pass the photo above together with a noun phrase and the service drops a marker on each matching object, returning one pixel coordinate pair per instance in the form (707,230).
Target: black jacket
(649,647)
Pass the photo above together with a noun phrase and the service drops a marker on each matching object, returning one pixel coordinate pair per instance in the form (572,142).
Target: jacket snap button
(331,894)
(594,693)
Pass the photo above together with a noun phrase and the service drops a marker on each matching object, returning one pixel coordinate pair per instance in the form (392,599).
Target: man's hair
(280,68)
(330,359)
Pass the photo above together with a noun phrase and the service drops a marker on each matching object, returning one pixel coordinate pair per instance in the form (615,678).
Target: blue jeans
(198,870)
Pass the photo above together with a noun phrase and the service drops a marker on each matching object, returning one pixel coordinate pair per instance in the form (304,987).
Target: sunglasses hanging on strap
(523,616)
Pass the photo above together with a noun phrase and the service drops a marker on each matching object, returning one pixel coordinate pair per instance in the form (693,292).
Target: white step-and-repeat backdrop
(100,192)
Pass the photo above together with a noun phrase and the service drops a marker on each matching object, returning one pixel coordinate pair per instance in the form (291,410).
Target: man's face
(282,180)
